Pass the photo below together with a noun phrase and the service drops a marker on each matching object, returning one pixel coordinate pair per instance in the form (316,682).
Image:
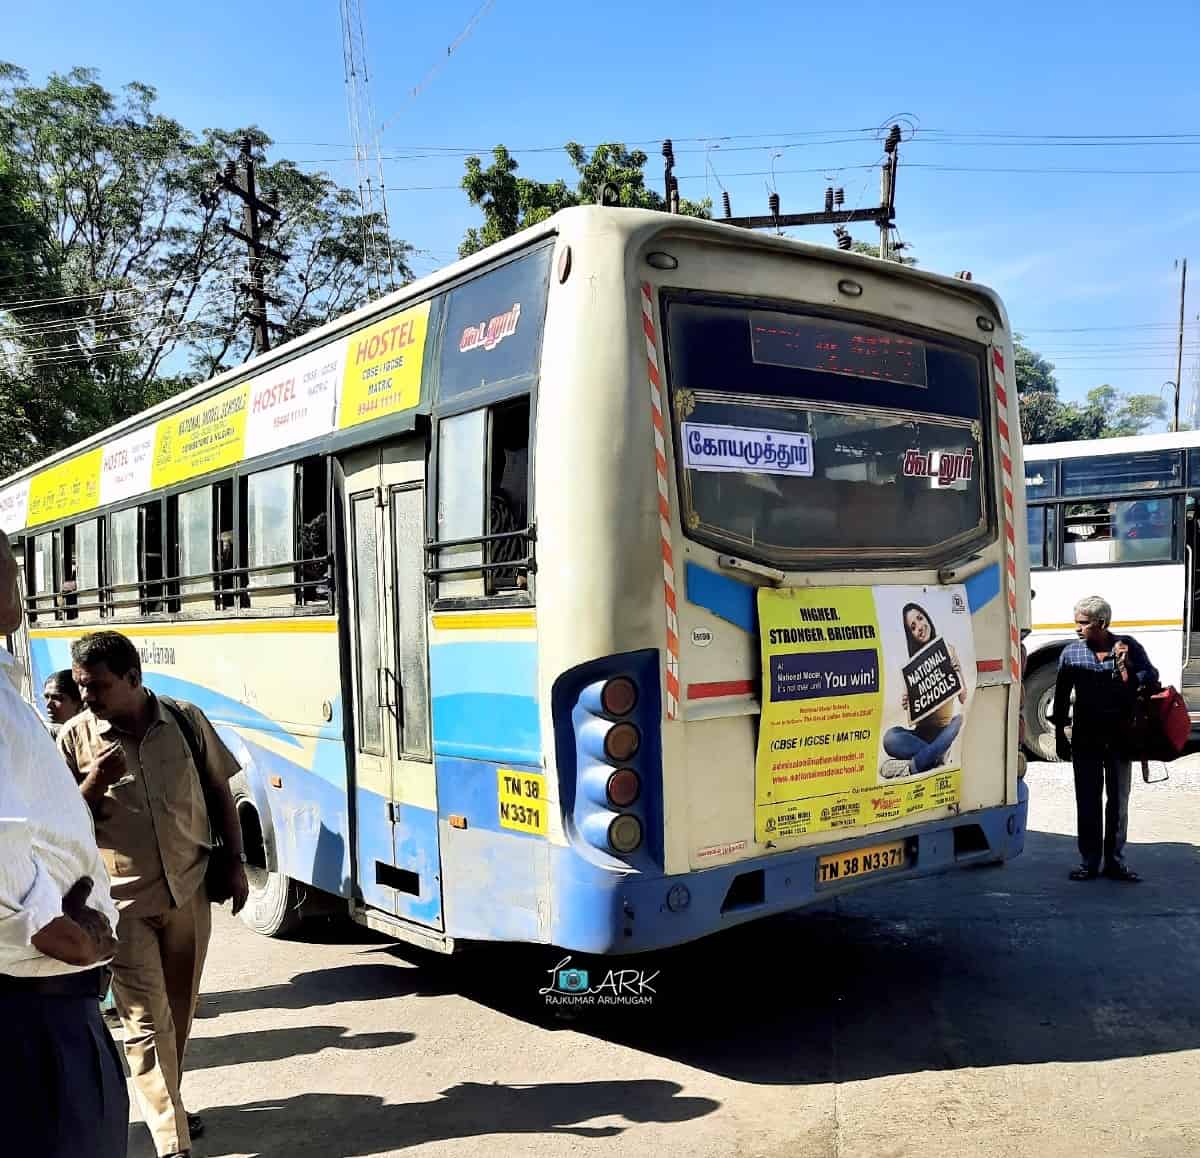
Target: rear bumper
(595,911)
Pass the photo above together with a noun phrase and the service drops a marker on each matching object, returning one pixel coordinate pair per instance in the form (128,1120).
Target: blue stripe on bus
(493,878)
(485,701)
(734,601)
(983,587)
(726,598)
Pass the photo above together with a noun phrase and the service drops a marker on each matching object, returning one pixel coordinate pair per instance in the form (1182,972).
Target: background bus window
(1121,473)
(1041,480)
(313,487)
(1134,531)
(1042,535)
(123,562)
(270,530)
(194,528)
(87,569)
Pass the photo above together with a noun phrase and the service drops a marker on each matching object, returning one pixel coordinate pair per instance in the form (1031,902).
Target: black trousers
(1103,824)
(62,1086)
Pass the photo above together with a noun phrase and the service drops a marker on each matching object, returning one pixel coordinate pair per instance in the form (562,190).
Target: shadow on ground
(995,966)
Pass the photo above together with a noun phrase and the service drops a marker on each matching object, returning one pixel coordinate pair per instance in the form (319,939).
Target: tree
(511,203)
(1033,373)
(869,250)
(132,291)
(1106,413)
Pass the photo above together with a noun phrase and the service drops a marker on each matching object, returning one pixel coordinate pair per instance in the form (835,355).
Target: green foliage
(1106,413)
(511,203)
(869,250)
(118,282)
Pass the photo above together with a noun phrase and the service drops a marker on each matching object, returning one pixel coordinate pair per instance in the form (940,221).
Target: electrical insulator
(773,204)
(844,240)
(725,204)
(839,196)
(230,170)
(893,139)
(828,198)
(668,151)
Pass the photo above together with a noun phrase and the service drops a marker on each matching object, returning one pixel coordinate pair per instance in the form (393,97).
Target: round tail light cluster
(618,698)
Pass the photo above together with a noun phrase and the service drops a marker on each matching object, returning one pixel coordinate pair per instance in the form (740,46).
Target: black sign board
(930,679)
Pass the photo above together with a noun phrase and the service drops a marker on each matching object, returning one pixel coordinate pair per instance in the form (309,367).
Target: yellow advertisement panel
(383,367)
(865,692)
(204,437)
(67,489)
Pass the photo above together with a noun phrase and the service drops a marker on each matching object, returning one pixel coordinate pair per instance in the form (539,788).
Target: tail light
(609,780)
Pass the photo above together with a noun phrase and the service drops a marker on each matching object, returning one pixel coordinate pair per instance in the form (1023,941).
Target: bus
(1114,517)
(634,578)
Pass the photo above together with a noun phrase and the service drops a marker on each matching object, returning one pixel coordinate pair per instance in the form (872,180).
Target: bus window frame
(1178,498)
(985,531)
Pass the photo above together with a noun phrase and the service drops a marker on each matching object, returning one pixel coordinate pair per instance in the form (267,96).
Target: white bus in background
(1113,517)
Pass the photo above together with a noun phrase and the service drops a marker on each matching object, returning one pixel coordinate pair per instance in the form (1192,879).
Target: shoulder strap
(189,733)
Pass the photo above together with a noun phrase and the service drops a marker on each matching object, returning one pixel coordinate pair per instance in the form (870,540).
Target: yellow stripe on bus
(233,627)
(1115,623)
(483,620)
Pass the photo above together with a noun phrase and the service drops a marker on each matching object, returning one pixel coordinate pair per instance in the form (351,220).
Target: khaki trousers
(156,980)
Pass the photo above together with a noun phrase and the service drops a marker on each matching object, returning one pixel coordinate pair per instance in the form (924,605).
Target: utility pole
(1179,356)
(883,214)
(254,232)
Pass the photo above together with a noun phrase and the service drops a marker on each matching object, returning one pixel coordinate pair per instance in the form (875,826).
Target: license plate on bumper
(861,862)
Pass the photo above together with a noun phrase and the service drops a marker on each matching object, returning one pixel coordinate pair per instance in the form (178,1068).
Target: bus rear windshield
(805,440)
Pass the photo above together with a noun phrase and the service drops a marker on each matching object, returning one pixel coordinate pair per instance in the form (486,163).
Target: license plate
(861,862)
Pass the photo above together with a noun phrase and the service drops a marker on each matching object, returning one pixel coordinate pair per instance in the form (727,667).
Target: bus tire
(273,907)
(1039,699)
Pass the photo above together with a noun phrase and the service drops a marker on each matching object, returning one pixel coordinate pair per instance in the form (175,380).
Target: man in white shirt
(62,1089)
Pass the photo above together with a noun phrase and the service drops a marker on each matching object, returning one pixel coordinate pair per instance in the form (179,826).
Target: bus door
(1191,620)
(395,795)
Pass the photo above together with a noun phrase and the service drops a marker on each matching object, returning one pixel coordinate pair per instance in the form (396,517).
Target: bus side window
(270,521)
(483,501)
(312,532)
(193,517)
(40,566)
(150,550)
(123,569)
(87,569)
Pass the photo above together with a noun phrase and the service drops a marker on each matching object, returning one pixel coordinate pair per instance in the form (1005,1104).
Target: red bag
(1161,725)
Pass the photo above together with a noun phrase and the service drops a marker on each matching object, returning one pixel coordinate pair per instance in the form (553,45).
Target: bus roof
(1085,448)
(636,226)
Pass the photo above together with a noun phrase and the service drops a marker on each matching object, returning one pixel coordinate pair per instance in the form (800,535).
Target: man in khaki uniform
(135,769)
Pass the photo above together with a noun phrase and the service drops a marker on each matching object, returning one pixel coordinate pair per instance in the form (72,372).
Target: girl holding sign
(923,746)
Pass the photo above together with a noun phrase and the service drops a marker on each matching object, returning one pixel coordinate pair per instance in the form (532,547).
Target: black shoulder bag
(220,860)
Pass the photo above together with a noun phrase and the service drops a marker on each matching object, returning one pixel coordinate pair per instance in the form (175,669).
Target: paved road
(1000,1011)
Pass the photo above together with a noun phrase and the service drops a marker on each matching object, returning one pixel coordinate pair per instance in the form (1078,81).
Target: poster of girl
(914,748)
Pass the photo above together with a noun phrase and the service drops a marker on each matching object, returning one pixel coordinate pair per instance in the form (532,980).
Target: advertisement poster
(67,489)
(383,367)
(207,436)
(865,694)
(295,402)
(125,467)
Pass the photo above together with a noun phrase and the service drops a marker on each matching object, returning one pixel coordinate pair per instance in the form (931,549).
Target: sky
(1081,236)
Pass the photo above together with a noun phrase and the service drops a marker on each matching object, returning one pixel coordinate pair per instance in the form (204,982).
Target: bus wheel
(1039,703)
(273,908)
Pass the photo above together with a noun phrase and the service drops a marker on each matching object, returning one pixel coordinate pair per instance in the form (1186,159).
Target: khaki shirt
(153,830)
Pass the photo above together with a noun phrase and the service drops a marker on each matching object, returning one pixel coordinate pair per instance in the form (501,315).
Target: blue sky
(1085,261)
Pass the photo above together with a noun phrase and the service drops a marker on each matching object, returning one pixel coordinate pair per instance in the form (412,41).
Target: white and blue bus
(634,578)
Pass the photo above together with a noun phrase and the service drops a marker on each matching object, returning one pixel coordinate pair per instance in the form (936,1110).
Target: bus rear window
(803,440)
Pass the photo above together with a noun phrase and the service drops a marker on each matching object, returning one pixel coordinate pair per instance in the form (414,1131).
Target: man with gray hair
(1105,673)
